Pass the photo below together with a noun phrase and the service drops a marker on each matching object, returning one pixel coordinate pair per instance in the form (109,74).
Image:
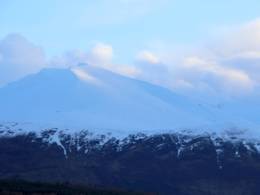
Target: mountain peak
(86,96)
(92,97)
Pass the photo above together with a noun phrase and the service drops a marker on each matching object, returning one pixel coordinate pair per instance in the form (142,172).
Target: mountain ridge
(63,95)
(85,96)
(172,163)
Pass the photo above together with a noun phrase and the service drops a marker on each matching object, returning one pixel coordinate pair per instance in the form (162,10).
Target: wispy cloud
(100,55)
(148,57)
(228,64)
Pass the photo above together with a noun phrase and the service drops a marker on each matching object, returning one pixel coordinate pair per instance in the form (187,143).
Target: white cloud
(100,55)
(69,59)
(19,57)
(228,64)
(239,40)
(149,57)
(226,78)
(196,73)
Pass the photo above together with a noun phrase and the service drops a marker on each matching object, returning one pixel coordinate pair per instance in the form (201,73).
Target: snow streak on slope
(237,143)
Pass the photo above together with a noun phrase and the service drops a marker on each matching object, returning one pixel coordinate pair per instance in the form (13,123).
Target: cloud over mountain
(100,55)
(227,64)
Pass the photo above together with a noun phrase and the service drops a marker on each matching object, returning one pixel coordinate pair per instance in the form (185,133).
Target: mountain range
(89,126)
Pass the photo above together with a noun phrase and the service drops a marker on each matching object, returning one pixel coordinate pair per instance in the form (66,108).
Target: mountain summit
(86,125)
(90,97)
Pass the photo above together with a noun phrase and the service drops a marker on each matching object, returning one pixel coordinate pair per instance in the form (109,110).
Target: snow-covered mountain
(180,163)
(86,125)
(94,98)
(90,97)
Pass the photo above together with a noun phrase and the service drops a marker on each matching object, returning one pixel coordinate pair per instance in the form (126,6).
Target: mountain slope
(90,97)
(82,125)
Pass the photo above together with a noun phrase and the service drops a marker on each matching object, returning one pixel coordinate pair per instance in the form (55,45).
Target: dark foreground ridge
(18,187)
(180,164)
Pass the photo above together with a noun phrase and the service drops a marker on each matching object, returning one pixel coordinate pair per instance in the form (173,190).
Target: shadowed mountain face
(19,187)
(179,164)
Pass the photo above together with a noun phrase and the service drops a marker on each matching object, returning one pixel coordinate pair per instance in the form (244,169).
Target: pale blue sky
(128,25)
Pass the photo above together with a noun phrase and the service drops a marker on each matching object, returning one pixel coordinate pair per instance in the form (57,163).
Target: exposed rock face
(180,163)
